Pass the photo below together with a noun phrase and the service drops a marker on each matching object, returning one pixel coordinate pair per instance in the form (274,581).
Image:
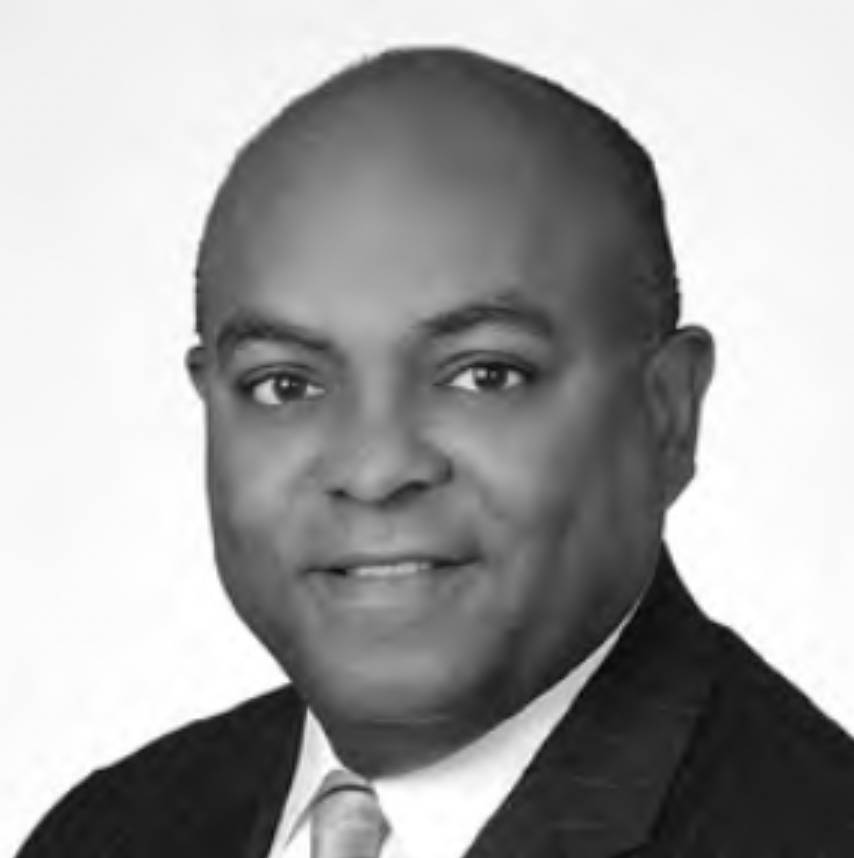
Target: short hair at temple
(580,127)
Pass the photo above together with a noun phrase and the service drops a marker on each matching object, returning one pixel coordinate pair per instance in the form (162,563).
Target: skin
(360,398)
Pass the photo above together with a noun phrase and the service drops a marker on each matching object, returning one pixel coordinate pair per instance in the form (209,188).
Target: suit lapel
(216,790)
(265,808)
(598,785)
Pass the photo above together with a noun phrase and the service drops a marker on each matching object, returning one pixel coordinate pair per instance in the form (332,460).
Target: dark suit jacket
(685,744)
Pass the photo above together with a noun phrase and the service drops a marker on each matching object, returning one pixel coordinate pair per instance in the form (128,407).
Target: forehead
(387,211)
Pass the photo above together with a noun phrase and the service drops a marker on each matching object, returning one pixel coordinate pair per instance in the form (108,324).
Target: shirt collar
(317,758)
(437,811)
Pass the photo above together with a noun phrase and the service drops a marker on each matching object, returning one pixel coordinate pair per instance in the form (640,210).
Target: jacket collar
(598,784)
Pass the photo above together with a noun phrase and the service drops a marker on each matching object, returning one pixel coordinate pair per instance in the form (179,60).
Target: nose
(382,459)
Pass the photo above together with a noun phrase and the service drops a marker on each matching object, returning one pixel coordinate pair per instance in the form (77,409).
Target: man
(448,406)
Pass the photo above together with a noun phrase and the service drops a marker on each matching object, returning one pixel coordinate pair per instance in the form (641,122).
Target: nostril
(390,470)
(382,497)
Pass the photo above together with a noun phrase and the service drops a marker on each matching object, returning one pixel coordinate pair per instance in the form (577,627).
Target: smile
(403,569)
(391,564)
(395,587)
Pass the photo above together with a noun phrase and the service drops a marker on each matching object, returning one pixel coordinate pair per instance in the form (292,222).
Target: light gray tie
(346,819)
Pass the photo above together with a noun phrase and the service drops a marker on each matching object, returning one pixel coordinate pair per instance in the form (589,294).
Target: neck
(383,748)
(393,745)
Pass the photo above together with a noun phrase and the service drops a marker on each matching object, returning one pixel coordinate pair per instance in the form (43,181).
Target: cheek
(565,477)
(529,466)
(253,491)
(257,500)
(256,460)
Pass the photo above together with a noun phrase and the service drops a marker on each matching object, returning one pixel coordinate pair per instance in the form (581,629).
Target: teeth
(391,570)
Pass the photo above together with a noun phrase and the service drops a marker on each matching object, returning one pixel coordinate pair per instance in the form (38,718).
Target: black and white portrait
(427,429)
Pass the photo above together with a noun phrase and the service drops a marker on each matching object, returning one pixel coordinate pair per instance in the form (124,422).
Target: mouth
(392,563)
(396,586)
(391,569)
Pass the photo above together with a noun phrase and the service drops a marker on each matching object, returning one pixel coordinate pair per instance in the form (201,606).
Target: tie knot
(346,818)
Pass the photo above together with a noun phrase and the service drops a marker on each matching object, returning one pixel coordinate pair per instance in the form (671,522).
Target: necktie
(346,819)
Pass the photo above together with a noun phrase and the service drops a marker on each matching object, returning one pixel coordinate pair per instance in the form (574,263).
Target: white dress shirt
(438,811)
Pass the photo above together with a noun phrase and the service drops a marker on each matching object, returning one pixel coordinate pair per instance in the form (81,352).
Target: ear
(678,376)
(196,363)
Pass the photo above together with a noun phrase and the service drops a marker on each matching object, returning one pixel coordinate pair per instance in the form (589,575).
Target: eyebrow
(245,327)
(507,310)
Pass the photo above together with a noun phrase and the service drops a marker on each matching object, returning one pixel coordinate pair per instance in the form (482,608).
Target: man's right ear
(196,362)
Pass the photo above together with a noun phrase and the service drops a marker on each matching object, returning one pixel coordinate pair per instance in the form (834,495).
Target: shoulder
(766,763)
(209,764)
(242,733)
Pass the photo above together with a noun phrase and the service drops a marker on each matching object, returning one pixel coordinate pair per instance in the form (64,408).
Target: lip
(371,605)
(352,559)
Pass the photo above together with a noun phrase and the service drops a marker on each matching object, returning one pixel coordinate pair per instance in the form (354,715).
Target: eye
(490,377)
(276,389)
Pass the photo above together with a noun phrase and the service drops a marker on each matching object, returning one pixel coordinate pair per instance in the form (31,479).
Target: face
(432,476)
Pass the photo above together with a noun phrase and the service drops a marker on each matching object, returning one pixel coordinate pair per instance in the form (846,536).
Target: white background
(117,120)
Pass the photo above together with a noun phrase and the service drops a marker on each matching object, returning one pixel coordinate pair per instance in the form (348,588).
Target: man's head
(447,402)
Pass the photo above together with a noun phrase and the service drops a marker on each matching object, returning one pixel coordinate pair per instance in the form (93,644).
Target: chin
(418,688)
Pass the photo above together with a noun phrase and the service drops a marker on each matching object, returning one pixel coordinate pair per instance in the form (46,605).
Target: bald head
(455,119)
